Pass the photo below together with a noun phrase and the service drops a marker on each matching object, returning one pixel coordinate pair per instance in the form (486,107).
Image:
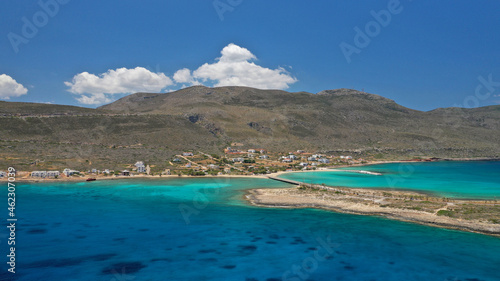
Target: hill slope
(329,120)
(152,127)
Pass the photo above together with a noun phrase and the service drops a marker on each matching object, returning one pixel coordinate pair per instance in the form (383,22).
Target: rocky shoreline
(398,205)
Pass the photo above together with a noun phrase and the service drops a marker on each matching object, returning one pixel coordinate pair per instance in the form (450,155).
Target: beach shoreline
(27,178)
(107,178)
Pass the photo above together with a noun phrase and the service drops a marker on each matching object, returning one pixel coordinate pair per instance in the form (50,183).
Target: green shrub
(445,213)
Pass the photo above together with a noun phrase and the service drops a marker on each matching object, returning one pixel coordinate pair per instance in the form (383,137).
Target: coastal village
(235,160)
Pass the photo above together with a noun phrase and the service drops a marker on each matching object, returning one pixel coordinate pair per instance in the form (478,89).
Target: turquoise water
(472,180)
(200,229)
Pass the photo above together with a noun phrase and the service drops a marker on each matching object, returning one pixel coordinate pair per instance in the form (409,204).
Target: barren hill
(152,126)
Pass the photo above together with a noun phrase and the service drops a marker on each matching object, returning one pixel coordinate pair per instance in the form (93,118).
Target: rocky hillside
(153,127)
(330,120)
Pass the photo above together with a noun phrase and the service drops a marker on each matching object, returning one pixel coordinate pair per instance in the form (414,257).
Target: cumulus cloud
(99,89)
(10,88)
(236,68)
(183,76)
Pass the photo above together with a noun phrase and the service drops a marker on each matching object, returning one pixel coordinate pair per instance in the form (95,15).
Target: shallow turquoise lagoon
(471,180)
(201,229)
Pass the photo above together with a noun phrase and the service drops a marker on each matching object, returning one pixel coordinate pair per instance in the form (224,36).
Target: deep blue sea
(202,229)
(467,180)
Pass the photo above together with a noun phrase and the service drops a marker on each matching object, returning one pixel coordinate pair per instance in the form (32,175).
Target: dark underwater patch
(65,262)
(56,263)
(274,236)
(123,268)
(101,257)
(247,249)
(37,231)
(209,260)
(349,267)
(206,251)
(161,259)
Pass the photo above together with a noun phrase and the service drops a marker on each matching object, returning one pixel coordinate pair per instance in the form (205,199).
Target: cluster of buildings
(230,150)
(315,158)
(140,167)
(53,174)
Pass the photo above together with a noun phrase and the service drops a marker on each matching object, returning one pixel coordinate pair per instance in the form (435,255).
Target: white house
(252,151)
(53,174)
(68,172)
(213,166)
(140,167)
(264,157)
(303,164)
(346,157)
(187,154)
(323,161)
(39,174)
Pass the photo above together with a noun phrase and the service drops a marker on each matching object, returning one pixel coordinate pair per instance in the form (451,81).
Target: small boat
(91,179)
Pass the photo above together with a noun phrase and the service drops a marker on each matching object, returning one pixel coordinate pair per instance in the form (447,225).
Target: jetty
(357,171)
(284,180)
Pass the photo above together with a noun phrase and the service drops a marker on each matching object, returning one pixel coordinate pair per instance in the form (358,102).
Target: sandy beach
(99,177)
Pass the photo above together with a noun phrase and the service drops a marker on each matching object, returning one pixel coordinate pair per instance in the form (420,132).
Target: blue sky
(428,54)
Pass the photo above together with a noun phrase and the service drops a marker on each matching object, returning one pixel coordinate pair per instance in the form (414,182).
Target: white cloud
(10,88)
(95,89)
(235,53)
(235,68)
(183,76)
(94,99)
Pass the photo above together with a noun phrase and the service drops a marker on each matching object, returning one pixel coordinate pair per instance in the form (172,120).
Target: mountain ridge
(153,126)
